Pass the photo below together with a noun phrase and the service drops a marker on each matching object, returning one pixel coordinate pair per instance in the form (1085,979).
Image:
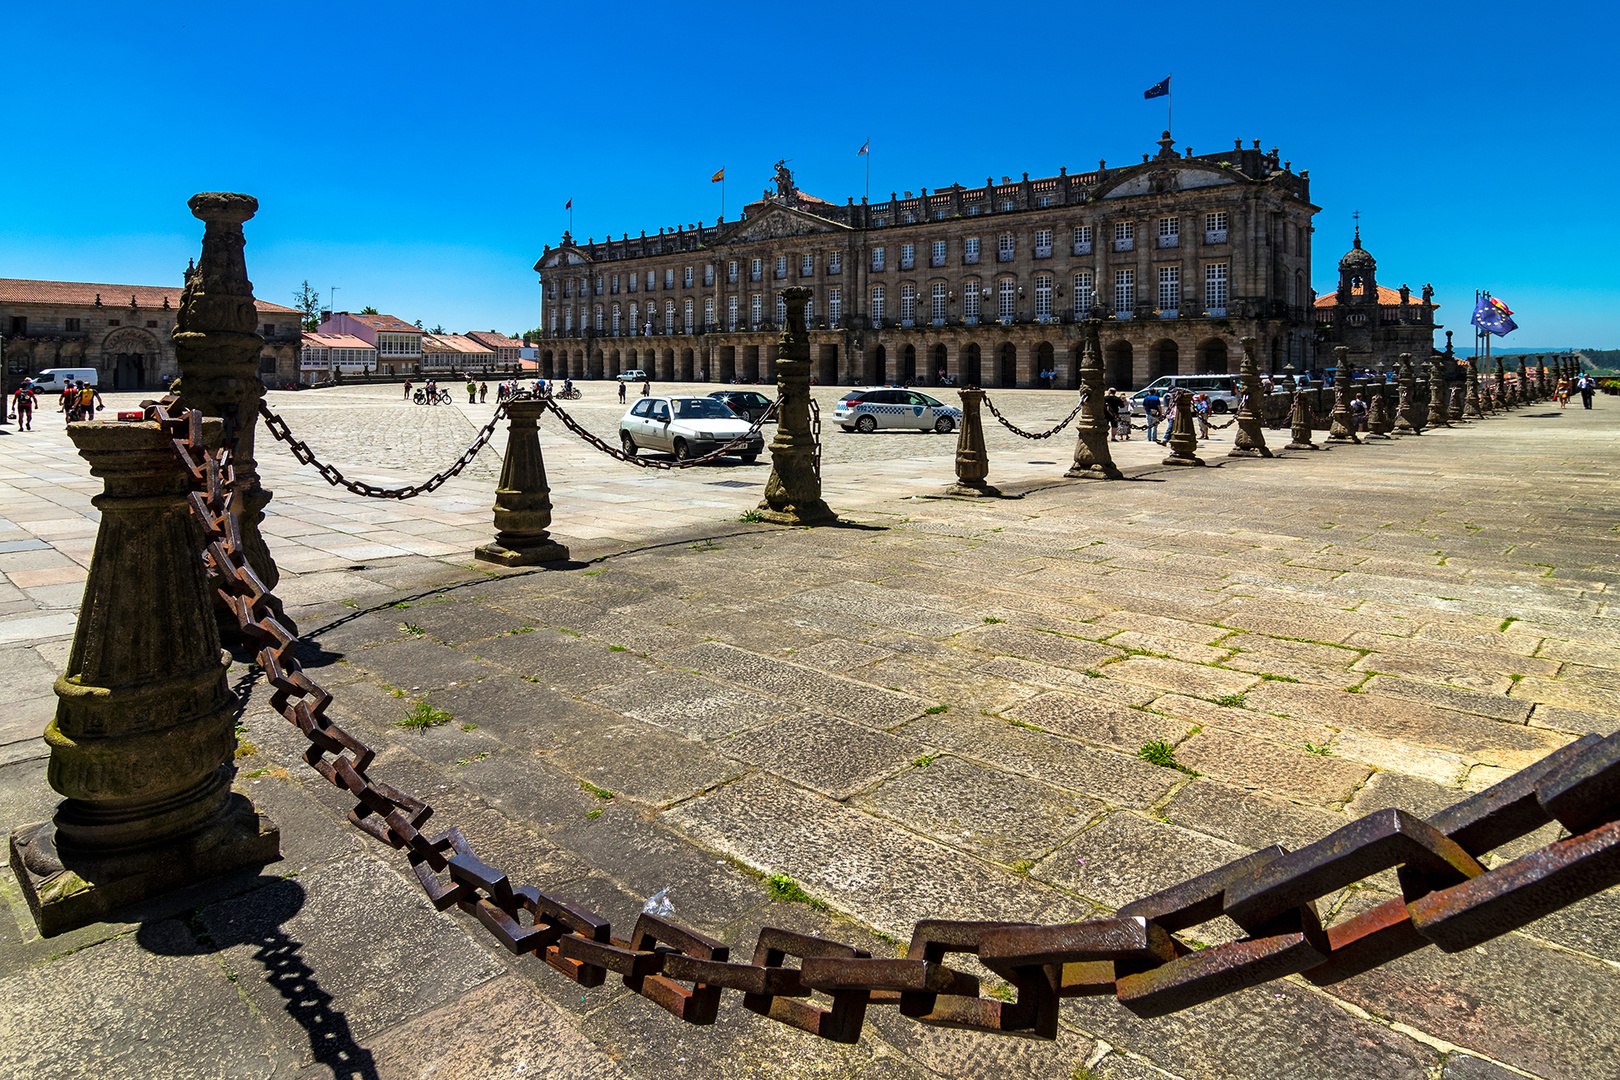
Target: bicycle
(571,394)
(421,397)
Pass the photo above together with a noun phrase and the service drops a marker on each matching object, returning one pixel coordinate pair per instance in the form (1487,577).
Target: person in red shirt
(23,400)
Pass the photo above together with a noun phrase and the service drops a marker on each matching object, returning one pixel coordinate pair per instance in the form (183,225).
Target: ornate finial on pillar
(1343,429)
(1182,442)
(1301,420)
(1092,459)
(143,738)
(1407,419)
(1438,411)
(1250,440)
(523,498)
(793,493)
(972,462)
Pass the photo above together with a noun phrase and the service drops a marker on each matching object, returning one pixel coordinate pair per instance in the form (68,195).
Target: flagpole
(868,156)
(1169,102)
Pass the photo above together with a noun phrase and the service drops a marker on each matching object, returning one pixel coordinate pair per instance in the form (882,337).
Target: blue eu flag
(1158,90)
(1493,316)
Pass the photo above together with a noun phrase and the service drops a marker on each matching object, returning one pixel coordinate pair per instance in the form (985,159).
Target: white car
(634,376)
(894,407)
(687,427)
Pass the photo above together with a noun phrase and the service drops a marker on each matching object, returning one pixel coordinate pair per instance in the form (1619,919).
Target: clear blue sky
(418,156)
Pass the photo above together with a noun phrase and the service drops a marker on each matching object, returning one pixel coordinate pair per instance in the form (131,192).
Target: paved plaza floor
(933,709)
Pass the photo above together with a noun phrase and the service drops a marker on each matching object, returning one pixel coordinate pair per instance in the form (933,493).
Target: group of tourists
(79,401)
(1156,411)
(1582,384)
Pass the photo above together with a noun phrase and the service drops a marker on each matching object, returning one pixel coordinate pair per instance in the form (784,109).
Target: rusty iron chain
(300,450)
(1021,433)
(1448,897)
(815,435)
(652,463)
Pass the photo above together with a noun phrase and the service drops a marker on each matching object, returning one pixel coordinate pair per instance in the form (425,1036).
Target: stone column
(972,462)
(1301,422)
(1454,410)
(522,497)
(1407,420)
(793,493)
(217,343)
(1183,443)
(1501,385)
(1378,423)
(1250,440)
(1343,427)
(1439,410)
(1525,394)
(1092,459)
(1471,400)
(143,740)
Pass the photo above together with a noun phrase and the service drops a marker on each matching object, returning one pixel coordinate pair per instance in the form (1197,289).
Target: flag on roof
(1493,316)
(865,146)
(1158,89)
(719,176)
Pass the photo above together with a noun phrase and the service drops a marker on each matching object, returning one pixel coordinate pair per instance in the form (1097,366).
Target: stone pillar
(1301,418)
(522,497)
(1092,459)
(1439,410)
(1407,420)
(1500,381)
(142,742)
(1525,394)
(1250,440)
(1471,400)
(1343,427)
(972,462)
(1454,410)
(217,343)
(1183,443)
(1378,422)
(793,493)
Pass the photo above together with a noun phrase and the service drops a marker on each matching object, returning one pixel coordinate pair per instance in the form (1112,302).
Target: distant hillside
(1606,361)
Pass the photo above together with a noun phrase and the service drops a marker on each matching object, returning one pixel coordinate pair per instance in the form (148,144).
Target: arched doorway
(131,355)
(1212,358)
(1007,368)
(908,371)
(938,372)
(970,366)
(880,365)
(1045,362)
(1164,358)
(548,364)
(1118,360)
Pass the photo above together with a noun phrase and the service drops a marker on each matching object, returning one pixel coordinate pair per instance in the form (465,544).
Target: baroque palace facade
(1182,255)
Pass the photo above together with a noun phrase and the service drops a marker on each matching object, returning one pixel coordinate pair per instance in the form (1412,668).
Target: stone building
(324,357)
(1375,323)
(125,332)
(446,353)
(507,350)
(398,343)
(1184,255)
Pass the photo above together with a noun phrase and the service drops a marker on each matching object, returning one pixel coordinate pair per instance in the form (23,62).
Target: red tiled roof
(1385,296)
(383,322)
(84,293)
(451,343)
(336,341)
(492,339)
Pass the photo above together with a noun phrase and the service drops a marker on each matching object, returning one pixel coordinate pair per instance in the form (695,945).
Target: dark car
(748,404)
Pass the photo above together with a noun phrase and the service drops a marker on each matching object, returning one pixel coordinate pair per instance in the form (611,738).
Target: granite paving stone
(1283,770)
(1102,723)
(1496,706)
(810,688)
(1250,819)
(829,755)
(1126,856)
(1173,675)
(1067,649)
(696,707)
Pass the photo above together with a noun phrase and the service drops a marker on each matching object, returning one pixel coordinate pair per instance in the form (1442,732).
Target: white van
(1222,390)
(56,379)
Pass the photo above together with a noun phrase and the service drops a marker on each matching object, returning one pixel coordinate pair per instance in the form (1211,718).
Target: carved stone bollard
(1439,412)
(217,342)
(1343,427)
(1454,410)
(1092,458)
(793,493)
(1526,392)
(1471,401)
(972,462)
(142,744)
(1378,422)
(522,498)
(1250,440)
(1301,418)
(1183,443)
(1408,421)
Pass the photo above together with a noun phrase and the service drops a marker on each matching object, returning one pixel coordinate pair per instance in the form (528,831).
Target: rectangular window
(807,265)
(809,311)
(686,316)
(708,274)
(1215,288)
(651,281)
(756,269)
(908,304)
(908,256)
(970,302)
(877,258)
(708,312)
(1215,227)
(781,267)
(936,303)
(615,285)
(756,310)
(568,289)
(1043,298)
(669,316)
(1124,235)
(1007,204)
(1169,232)
(1006,299)
(1124,291)
(669,278)
(615,325)
(686,278)
(781,309)
(1082,240)
(1082,294)
(634,279)
(731,312)
(835,305)
(1043,201)
(551,290)
(71,326)
(1043,243)
(1006,247)
(938,256)
(731,272)
(598,284)
(877,306)
(1169,289)
(970,250)
(835,262)
(598,318)
(973,211)
(633,328)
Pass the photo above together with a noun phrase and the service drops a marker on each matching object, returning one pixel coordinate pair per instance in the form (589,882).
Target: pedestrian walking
(646,388)
(1111,409)
(22,406)
(1588,387)
(1358,413)
(1563,393)
(1201,414)
(621,391)
(1153,411)
(472,392)
(89,401)
(407,389)
(483,392)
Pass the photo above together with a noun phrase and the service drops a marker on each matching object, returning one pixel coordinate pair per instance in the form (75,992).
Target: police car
(894,407)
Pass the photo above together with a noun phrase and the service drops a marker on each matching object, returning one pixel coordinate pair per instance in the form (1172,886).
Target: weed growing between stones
(924,761)
(469,727)
(1022,867)
(425,716)
(1278,678)
(593,815)
(522,630)
(1092,673)
(1231,701)
(600,793)
(617,648)
(1312,748)
(348,602)
(1507,623)
(412,629)
(785,890)
(751,517)
(936,710)
(1158,752)
(990,619)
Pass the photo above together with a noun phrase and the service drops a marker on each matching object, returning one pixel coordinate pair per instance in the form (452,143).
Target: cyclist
(568,387)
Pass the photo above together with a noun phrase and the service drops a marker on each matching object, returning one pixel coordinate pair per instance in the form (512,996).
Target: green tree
(369,310)
(437,330)
(308,303)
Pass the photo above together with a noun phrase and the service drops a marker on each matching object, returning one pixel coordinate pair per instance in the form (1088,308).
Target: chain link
(1020,432)
(300,450)
(653,463)
(1448,897)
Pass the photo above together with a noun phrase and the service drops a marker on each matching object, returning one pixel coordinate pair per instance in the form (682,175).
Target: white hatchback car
(687,427)
(634,376)
(894,407)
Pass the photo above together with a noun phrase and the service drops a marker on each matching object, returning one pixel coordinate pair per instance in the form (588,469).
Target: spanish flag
(719,176)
